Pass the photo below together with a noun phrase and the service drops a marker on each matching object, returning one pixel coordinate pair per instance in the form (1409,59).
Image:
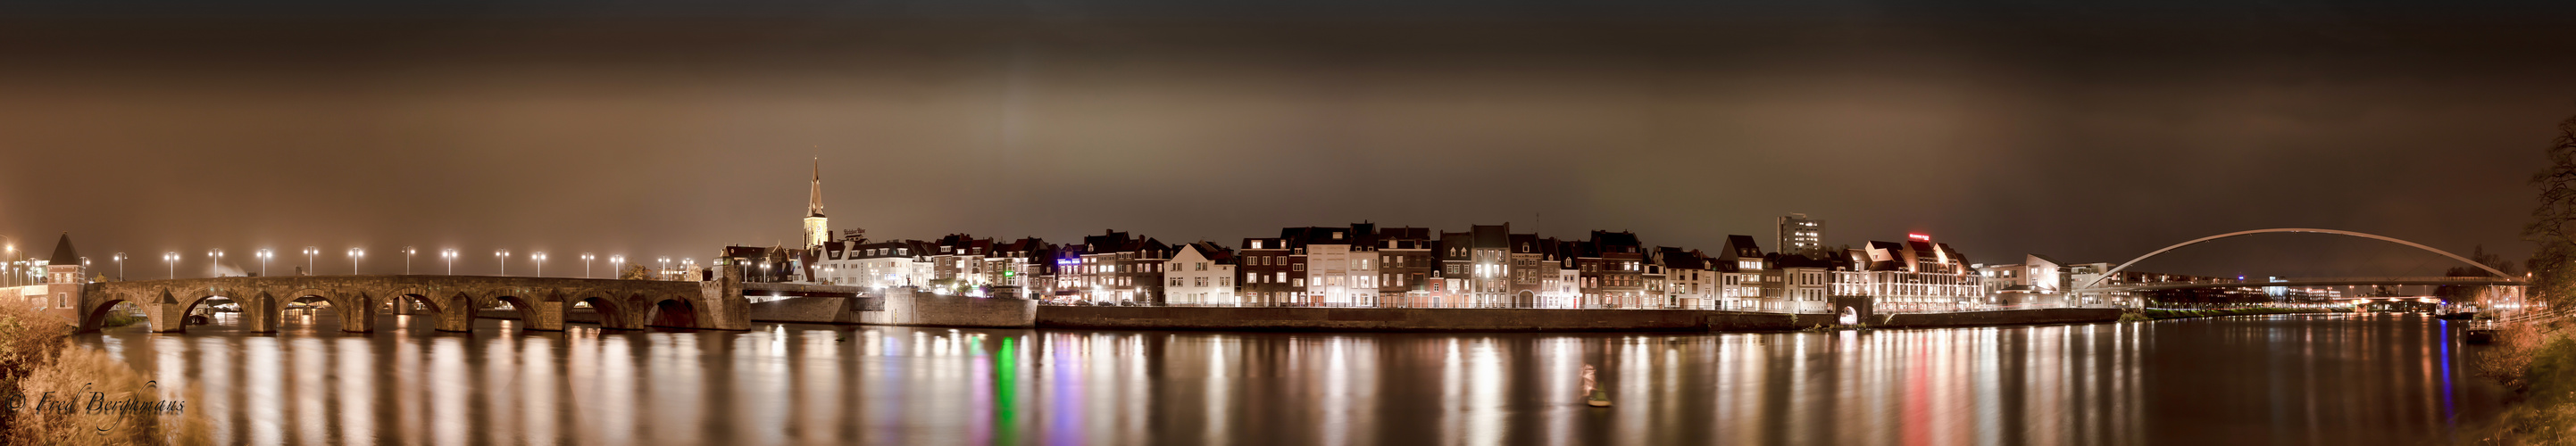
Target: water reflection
(2280,379)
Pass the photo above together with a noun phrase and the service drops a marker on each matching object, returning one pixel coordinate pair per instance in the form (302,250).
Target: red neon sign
(1919,237)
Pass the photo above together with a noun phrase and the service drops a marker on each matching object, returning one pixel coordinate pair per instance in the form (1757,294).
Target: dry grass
(2538,362)
(36,357)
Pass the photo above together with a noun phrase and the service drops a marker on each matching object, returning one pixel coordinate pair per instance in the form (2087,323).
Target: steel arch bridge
(2500,279)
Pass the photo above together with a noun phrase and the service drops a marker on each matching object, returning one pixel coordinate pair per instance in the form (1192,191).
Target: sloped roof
(1741,246)
(1676,258)
(2046,258)
(63,252)
(1211,251)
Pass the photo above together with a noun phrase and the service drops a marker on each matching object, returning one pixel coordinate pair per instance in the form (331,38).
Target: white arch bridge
(2498,278)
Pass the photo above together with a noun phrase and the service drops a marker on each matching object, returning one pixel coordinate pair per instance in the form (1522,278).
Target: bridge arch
(188,307)
(671,311)
(611,312)
(95,316)
(434,305)
(2107,275)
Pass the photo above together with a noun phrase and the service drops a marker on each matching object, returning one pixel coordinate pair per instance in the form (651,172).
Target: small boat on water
(2479,331)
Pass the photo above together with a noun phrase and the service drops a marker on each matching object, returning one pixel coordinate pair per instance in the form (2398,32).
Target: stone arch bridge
(452,302)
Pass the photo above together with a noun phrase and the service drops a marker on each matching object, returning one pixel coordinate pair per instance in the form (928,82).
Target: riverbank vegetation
(37,358)
(2538,363)
(2532,353)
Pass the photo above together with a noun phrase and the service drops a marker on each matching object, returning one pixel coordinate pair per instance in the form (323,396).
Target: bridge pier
(456,314)
(547,315)
(166,317)
(358,315)
(261,314)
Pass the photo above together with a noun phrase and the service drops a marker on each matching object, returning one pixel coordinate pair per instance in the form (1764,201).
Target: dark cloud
(2091,133)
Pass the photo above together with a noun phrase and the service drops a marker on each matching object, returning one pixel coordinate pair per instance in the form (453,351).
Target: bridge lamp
(309,252)
(450,255)
(407,252)
(171,258)
(355,255)
(504,257)
(217,268)
(666,262)
(120,266)
(585,265)
(263,255)
(540,257)
(614,264)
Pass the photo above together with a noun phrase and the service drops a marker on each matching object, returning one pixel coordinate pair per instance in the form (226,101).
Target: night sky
(2088,133)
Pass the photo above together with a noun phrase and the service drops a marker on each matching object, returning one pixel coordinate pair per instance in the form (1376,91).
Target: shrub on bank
(36,356)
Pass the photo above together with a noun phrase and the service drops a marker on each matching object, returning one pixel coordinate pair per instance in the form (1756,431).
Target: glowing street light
(541,262)
(171,258)
(407,252)
(666,262)
(309,252)
(450,255)
(217,268)
(120,267)
(615,263)
(264,254)
(504,256)
(355,255)
(585,265)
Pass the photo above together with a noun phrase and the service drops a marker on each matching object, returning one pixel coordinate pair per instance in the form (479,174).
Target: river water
(2289,379)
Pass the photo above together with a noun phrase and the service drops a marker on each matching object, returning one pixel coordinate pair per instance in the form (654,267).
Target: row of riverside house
(1363,265)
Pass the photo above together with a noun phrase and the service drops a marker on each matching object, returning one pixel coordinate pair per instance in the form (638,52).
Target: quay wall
(902,306)
(908,308)
(1414,319)
(2000,317)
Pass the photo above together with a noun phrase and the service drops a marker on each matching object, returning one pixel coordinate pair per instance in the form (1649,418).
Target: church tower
(817,230)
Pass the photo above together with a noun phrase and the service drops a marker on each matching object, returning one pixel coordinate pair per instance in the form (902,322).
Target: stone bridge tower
(64,276)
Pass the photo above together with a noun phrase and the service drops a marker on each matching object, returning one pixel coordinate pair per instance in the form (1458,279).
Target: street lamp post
(355,255)
(540,256)
(217,268)
(264,254)
(120,267)
(309,252)
(407,252)
(585,265)
(504,256)
(172,258)
(9,264)
(614,263)
(450,255)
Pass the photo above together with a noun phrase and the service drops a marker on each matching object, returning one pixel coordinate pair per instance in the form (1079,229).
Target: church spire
(814,207)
